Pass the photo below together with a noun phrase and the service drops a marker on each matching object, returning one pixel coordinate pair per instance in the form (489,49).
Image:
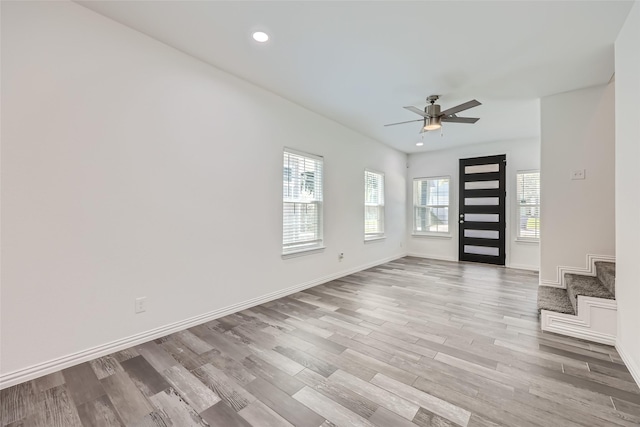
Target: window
(373,205)
(528,194)
(431,205)
(301,202)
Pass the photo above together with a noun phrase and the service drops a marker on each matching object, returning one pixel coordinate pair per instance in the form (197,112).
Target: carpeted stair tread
(554,299)
(589,286)
(606,272)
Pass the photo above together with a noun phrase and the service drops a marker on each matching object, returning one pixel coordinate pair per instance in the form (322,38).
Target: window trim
(317,245)
(440,234)
(302,252)
(375,236)
(518,205)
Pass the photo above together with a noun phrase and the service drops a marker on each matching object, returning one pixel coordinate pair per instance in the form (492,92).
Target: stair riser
(597,323)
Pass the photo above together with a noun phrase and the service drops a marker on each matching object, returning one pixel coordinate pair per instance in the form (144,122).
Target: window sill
(527,241)
(433,235)
(374,239)
(303,252)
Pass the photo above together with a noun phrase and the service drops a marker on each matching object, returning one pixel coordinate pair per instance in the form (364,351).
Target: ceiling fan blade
(470,120)
(401,123)
(461,107)
(417,111)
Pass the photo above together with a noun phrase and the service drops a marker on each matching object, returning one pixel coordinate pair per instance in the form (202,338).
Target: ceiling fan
(433,117)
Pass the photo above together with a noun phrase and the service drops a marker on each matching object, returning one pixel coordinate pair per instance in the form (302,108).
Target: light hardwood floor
(411,342)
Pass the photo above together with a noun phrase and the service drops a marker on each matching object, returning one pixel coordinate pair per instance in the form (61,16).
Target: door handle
(461,215)
(461,222)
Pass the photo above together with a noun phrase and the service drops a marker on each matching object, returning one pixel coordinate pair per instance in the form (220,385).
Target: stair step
(588,286)
(554,299)
(606,272)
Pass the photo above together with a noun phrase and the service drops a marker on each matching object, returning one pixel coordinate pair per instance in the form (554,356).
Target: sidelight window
(528,194)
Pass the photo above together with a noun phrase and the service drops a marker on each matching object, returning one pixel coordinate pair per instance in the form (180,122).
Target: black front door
(482,222)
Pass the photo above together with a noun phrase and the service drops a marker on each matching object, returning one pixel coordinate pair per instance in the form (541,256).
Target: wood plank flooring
(413,342)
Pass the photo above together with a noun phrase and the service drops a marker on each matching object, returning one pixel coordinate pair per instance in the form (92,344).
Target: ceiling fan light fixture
(432,123)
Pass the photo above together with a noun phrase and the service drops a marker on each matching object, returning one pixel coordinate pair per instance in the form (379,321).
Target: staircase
(585,309)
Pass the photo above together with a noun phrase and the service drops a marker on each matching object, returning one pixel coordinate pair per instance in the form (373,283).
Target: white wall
(521,155)
(627,190)
(577,216)
(130,169)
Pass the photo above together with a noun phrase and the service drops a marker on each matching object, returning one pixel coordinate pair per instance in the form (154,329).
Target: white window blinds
(373,205)
(528,194)
(431,205)
(301,202)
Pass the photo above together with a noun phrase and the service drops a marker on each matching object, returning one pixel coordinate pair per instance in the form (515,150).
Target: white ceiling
(360,62)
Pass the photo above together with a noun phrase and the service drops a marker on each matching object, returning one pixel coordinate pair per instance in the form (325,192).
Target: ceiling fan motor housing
(432,110)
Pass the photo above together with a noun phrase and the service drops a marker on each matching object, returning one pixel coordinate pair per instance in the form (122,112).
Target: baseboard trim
(552,284)
(452,259)
(589,270)
(596,321)
(631,365)
(21,375)
(524,267)
(437,257)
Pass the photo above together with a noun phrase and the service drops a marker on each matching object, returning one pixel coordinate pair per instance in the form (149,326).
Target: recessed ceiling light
(420,144)
(260,37)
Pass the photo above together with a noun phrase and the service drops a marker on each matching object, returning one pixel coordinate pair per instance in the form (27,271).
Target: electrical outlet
(578,174)
(140,305)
